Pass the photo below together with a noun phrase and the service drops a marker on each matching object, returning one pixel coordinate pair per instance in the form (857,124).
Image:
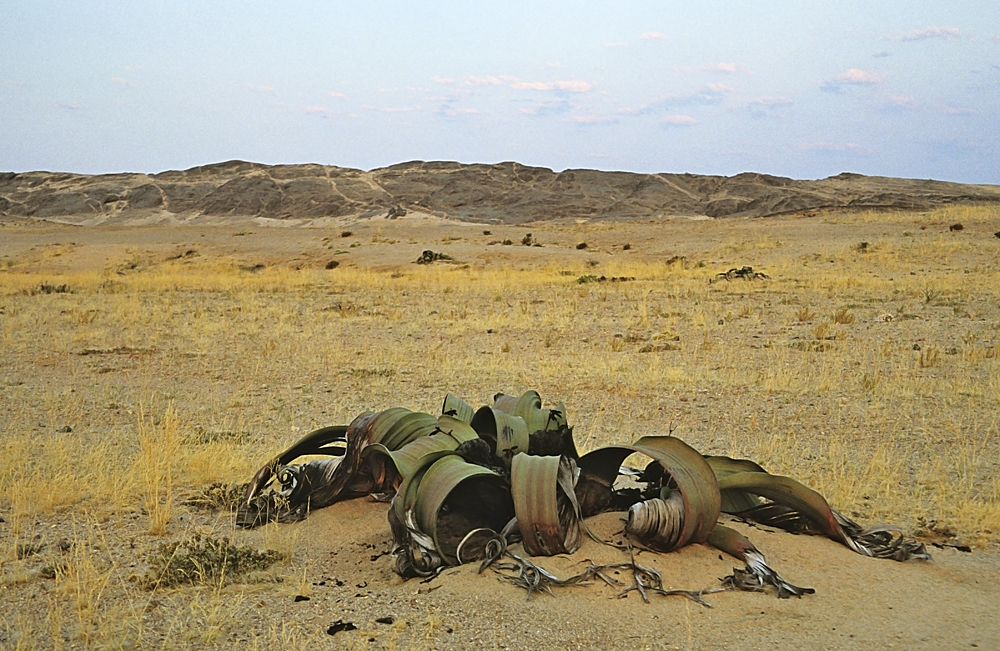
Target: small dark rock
(384,620)
(332,264)
(955,227)
(581,246)
(66,429)
(300,597)
(340,625)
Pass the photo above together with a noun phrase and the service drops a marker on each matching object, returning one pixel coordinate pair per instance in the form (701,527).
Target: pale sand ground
(952,602)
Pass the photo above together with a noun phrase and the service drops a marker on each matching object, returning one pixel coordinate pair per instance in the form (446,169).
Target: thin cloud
(678,120)
(593,120)
(549,108)
(69,106)
(955,110)
(764,106)
(121,81)
(564,85)
(768,102)
(903,101)
(333,93)
(929,32)
(489,80)
(446,81)
(718,89)
(570,86)
(853,77)
(707,94)
(654,36)
(262,88)
(318,111)
(459,112)
(858,77)
(391,109)
(726,67)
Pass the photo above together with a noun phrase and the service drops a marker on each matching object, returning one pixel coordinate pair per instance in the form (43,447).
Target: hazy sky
(800,89)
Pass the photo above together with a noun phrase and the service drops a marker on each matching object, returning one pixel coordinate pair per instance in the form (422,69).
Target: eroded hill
(500,193)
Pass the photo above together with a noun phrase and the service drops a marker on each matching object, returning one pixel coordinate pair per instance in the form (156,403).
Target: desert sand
(340,567)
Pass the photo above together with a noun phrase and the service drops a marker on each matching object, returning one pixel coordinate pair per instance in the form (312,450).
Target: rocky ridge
(508,193)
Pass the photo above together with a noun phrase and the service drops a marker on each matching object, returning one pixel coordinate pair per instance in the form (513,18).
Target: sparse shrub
(526,240)
(581,246)
(804,314)
(507,242)
(346,233)
(48,288)
(203,561)
(954,228)
(822,331)
(628,247)
(332,264)
(843,316)
(487,232)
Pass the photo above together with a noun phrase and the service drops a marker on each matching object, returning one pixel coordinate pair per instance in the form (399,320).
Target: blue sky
(906,89)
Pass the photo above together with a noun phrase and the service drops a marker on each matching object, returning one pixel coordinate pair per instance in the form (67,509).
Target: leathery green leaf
(787,491)
(691,473)
(448,514)
(545,504)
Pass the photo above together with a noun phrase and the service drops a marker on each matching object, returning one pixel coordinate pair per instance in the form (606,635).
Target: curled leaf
(545,504)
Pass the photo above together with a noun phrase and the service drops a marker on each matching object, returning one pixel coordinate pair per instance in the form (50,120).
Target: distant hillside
(505,192)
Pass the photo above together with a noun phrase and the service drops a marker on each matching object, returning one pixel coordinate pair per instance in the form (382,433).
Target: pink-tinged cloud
(903,101)
(679,121)
(489,80)
(570,86)
(121,81)
(719,88)
(854,76)
(931,32)
(333,93)
(653,36)
(768,102)
(567,86)
(592,120)
(459,112)
(446,81)
(391,109)
(260,88)
(726,67)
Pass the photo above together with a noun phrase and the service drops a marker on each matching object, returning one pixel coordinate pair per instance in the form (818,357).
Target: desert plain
(148,370)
